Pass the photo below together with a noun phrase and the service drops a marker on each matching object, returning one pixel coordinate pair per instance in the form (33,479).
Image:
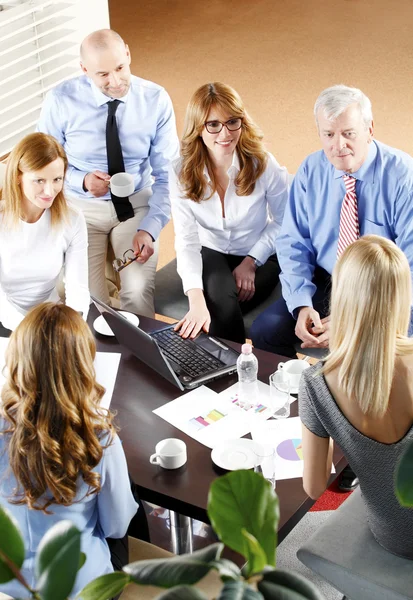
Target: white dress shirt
(31,258)
(250,226)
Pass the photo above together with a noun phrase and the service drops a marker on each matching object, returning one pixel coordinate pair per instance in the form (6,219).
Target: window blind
(38,50)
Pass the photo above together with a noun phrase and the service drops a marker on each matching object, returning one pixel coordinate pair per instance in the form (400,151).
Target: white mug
(122,184)
(292,370)
(169,454)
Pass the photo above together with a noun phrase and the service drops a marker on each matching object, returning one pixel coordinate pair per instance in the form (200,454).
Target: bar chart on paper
(213,416)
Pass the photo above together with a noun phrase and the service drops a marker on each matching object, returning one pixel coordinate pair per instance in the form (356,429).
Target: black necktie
(122,206)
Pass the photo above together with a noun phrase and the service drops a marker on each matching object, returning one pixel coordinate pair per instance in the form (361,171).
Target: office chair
(344,552)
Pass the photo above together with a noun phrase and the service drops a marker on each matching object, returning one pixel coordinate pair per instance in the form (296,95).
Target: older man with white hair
(111,121)
(352,187)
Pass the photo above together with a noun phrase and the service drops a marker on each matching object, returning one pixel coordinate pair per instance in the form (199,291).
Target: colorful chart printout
(212,417)
(291,449)
(257,408)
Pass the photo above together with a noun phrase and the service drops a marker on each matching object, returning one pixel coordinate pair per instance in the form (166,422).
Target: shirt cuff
(297,301)
(75,180)
(261,252)
(192,281)
(151,225)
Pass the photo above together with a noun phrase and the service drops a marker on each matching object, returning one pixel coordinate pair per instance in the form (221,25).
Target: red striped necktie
(349,219)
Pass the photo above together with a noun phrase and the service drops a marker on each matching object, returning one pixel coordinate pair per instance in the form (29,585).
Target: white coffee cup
(292,370)
(169,454)
(122,184)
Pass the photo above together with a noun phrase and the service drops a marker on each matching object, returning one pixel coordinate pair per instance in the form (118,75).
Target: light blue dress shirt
(98,516)
(309,233)
(75,113)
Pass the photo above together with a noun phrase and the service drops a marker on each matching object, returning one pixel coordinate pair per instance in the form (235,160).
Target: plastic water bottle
(247,368)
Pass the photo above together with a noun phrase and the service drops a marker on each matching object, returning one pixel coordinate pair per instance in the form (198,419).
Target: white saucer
(103,328)
(235,454)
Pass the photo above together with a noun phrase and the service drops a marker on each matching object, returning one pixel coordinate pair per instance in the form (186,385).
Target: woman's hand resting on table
(244,276)
(196,318)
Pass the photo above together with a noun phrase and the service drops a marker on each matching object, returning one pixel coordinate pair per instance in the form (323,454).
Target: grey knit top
(372,461)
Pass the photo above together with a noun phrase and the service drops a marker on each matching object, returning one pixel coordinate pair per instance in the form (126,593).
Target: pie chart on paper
(290,449)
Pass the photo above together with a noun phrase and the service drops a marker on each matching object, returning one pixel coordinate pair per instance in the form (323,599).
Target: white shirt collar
(102,99)
(233,170)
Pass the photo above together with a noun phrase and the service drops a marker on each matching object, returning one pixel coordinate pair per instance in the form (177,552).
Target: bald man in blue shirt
(76,114)
(307,244)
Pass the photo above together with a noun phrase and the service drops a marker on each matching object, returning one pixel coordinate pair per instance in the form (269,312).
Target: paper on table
(285,436)
(212,418)
(106,366)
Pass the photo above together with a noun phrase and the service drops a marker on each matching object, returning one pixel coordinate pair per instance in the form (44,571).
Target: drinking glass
(280,395)
(265,457)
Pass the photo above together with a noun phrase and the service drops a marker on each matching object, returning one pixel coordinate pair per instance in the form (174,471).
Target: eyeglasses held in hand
(216,126)
(128,258)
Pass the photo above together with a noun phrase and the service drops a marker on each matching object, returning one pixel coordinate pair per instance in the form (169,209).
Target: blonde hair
(370,315)
(250,148)
(32,153)
(51,405)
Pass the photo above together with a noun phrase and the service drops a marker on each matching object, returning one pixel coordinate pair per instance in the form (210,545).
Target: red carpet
(331,499)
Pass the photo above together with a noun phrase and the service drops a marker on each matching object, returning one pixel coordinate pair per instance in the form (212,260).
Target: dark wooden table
(138,391)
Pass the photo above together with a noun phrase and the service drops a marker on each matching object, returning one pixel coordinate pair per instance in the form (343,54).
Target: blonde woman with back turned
(228,197)
(40,234)
(60,457)
(362,398)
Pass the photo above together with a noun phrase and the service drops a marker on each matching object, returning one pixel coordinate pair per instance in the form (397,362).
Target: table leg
(181,533)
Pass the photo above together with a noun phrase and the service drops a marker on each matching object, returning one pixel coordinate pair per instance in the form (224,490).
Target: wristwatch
(256,262)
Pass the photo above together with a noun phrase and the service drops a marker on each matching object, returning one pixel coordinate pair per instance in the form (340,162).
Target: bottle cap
(246,349)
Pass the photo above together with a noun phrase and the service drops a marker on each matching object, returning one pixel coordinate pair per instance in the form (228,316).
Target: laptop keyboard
(194,360)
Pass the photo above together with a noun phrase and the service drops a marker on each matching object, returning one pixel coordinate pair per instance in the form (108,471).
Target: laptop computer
(184,363)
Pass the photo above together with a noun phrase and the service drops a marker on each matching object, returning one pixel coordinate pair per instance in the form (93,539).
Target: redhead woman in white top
(39,232)
(228,197)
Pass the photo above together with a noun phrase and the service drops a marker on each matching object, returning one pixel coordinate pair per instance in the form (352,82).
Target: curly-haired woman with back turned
(362,397)
(60,457)
(228,197)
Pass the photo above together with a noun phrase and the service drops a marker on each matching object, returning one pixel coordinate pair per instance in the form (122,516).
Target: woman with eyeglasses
(362,396)
(60,457)
(40,234)
(228,197)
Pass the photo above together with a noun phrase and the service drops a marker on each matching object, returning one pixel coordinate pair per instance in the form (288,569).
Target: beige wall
(279,55)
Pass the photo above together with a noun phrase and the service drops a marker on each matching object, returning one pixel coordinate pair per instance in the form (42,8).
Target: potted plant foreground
(244,513)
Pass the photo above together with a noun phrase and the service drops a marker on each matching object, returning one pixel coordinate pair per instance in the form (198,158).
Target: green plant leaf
(82,560)
(226,569)
(105,587)
(238,590)
(255,555)
(11,545)
(169,572)
(182,592)
(244,500)
(286,585)
(57,561)
(404,478)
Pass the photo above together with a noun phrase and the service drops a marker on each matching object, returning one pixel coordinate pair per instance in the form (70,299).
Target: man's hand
(196,318)
(313,331)
(142,243)
(97,183)
(323,338)
(244,276)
